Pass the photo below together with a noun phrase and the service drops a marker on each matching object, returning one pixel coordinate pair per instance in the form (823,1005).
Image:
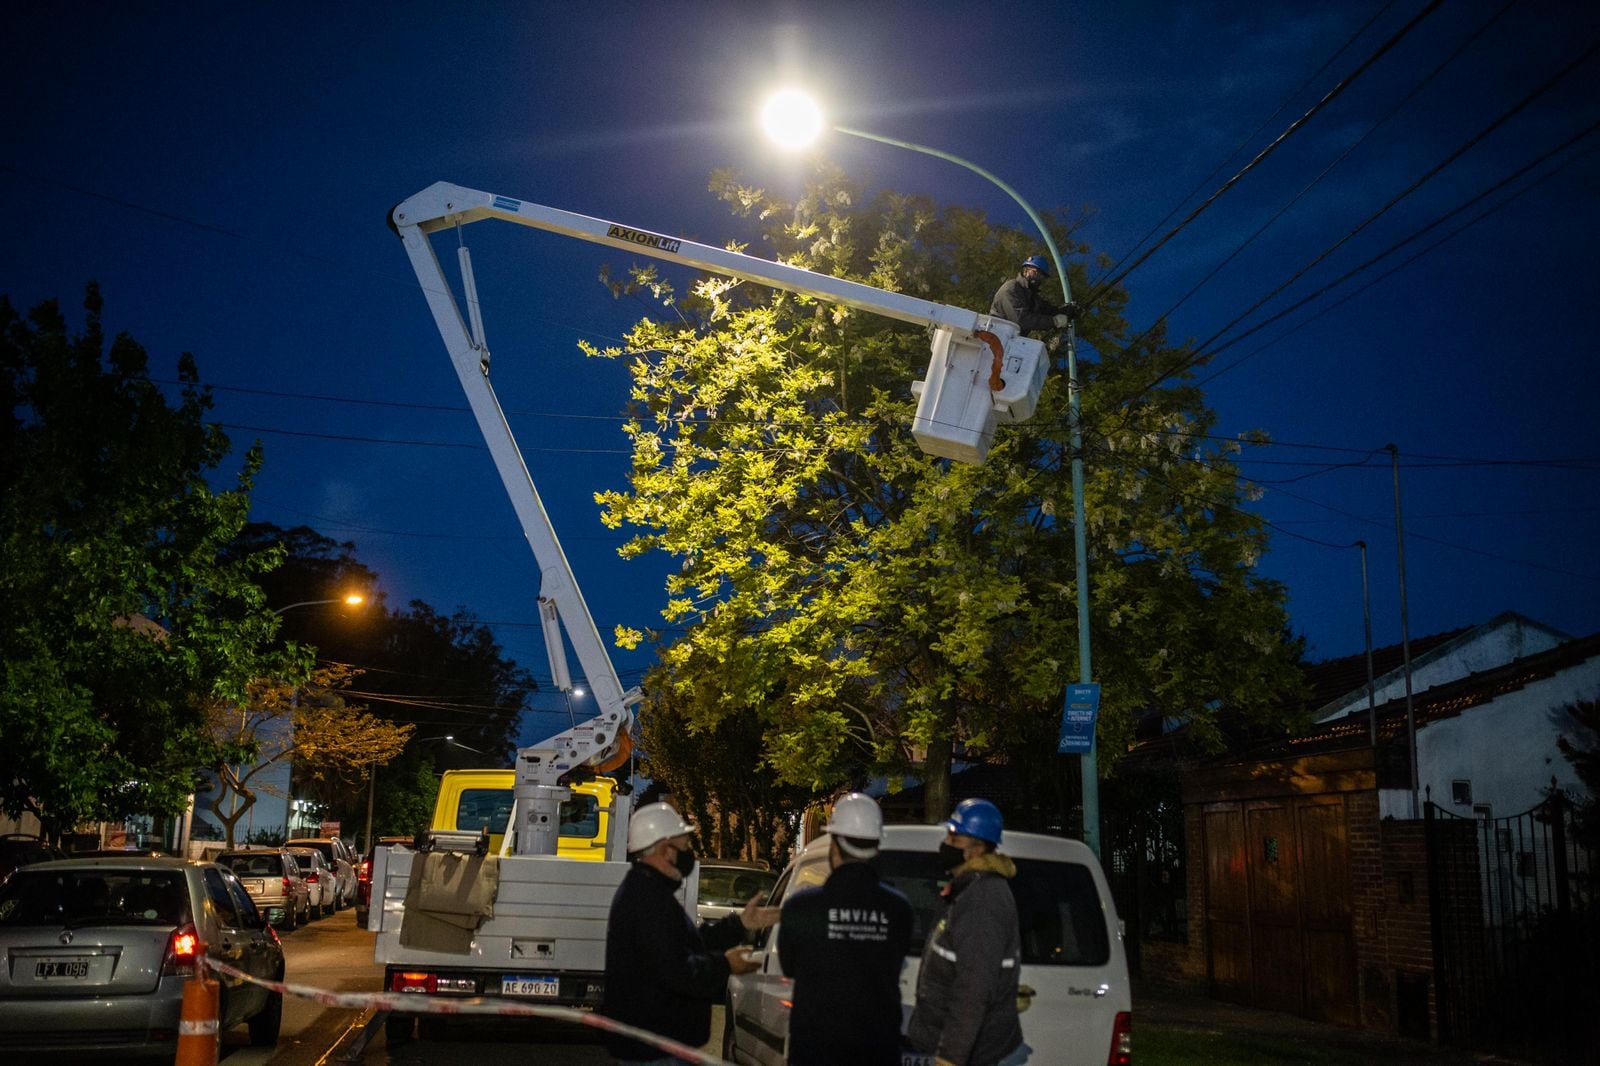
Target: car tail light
(183,948)
(412,981)
(288,887)
(365,873)
(311,879)
(1121,1041)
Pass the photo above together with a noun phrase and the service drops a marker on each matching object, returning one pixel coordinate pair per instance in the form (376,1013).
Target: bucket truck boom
(981,372)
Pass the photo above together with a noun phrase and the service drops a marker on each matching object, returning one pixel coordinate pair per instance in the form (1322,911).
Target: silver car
(340,859)
(274,881)
(97,951)
(322,885)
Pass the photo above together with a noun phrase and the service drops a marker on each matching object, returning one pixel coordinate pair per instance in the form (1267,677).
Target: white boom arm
(980,372)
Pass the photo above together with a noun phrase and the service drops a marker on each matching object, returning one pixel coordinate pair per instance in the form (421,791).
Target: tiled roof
(1434,705)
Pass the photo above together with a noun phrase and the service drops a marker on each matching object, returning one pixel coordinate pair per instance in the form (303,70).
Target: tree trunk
(936,780)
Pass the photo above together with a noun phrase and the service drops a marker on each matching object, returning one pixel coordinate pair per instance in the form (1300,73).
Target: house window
(1461,793)
(1482,810)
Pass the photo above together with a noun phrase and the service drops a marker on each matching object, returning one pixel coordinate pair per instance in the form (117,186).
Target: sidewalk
(1176,1027)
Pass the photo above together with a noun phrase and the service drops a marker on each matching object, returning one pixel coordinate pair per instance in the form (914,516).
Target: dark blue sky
(224,173)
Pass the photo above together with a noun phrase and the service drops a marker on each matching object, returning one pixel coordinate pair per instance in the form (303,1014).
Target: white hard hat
(857,816)
(654,823)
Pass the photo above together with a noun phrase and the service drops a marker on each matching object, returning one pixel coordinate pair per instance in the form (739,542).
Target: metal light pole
(1405,628)
(1091,779)
(355,599)
(1366,618)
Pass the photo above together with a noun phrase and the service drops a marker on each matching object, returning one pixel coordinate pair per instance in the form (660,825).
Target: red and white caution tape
(418,1004)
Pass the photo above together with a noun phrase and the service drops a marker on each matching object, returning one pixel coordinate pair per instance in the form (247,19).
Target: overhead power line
(1295,126)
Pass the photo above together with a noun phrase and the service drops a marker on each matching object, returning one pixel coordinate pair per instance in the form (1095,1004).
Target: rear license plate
(915,1058)
(61,969)
(530,986)
(255,888)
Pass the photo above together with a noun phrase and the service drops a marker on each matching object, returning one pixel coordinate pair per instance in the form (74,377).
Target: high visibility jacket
(967,989)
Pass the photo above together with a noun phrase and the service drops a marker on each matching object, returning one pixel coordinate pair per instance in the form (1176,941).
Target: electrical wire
(1261,156)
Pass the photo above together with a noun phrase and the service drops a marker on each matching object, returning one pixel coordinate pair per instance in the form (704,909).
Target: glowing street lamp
(354,599)
(794,120)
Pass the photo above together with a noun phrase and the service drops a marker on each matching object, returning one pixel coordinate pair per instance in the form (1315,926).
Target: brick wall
(1185,964)
(1394,947)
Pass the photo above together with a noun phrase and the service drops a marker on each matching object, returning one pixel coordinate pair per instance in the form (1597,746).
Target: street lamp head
(355,599)
(792,118)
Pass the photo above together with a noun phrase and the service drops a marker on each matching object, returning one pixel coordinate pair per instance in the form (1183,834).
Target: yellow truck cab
(471,799)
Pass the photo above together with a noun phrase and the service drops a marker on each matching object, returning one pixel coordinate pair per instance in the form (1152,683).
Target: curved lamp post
(354,599)
(793,120)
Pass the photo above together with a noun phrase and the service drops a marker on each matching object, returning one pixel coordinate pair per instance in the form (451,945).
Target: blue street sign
(1077,719)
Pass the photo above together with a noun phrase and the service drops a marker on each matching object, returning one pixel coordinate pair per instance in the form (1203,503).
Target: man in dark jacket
(843,944)
(662,973)
(1019,301)
(966,1012)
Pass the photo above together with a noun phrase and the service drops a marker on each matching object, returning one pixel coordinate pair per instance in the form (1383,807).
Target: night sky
(224,173)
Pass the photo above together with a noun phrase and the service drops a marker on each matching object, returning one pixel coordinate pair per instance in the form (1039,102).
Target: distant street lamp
(354,599)
(794,120)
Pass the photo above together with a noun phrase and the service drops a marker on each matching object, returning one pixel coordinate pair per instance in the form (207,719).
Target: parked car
(273,879)
(98,951)
(322,886)
(121,853)
(340,859)
(364,877)
(726,885)
(24,849)
(1073,992)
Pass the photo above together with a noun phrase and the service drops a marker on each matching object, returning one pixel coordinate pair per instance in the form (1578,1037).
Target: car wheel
(265,1025)
(398,1026)
(361,918)
(288,921)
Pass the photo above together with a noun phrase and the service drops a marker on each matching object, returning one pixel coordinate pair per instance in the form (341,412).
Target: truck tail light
(1121,1041)
(414,981)
(183,949)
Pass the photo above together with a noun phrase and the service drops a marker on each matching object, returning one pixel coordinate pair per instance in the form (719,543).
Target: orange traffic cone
(197,1021)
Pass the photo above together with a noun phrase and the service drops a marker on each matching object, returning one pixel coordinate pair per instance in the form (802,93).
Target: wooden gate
(1278,905)
(1516,936)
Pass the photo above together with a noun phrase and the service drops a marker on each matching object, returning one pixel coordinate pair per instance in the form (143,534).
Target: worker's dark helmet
(977,818)
(1039,262)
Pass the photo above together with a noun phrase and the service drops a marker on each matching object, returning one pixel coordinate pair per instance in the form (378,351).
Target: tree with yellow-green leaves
(880,611)
(309,725)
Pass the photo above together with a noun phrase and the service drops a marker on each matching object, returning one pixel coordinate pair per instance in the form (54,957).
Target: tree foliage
(309,726)
(122,618)
(875,609)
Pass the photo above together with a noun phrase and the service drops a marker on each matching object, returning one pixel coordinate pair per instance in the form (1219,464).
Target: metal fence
(1516,934)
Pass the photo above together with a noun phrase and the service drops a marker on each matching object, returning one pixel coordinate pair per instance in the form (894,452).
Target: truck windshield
(491,807)
(1058,907)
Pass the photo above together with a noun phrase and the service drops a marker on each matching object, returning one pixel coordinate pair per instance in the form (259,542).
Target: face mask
(1035,281)
(950,856)
(684,862)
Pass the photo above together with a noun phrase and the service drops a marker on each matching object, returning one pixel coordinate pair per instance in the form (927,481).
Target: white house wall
(1506,748)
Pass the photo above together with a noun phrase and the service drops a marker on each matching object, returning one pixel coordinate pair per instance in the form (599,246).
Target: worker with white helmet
(662,973)
(966,1012)
(843,943)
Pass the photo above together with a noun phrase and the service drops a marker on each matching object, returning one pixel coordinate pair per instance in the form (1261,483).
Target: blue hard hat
(1039,262)
(977,818)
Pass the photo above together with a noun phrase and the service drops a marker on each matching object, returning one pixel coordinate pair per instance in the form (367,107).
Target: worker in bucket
(843,943)
(1018,300)
(966,1013)
(662,973)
